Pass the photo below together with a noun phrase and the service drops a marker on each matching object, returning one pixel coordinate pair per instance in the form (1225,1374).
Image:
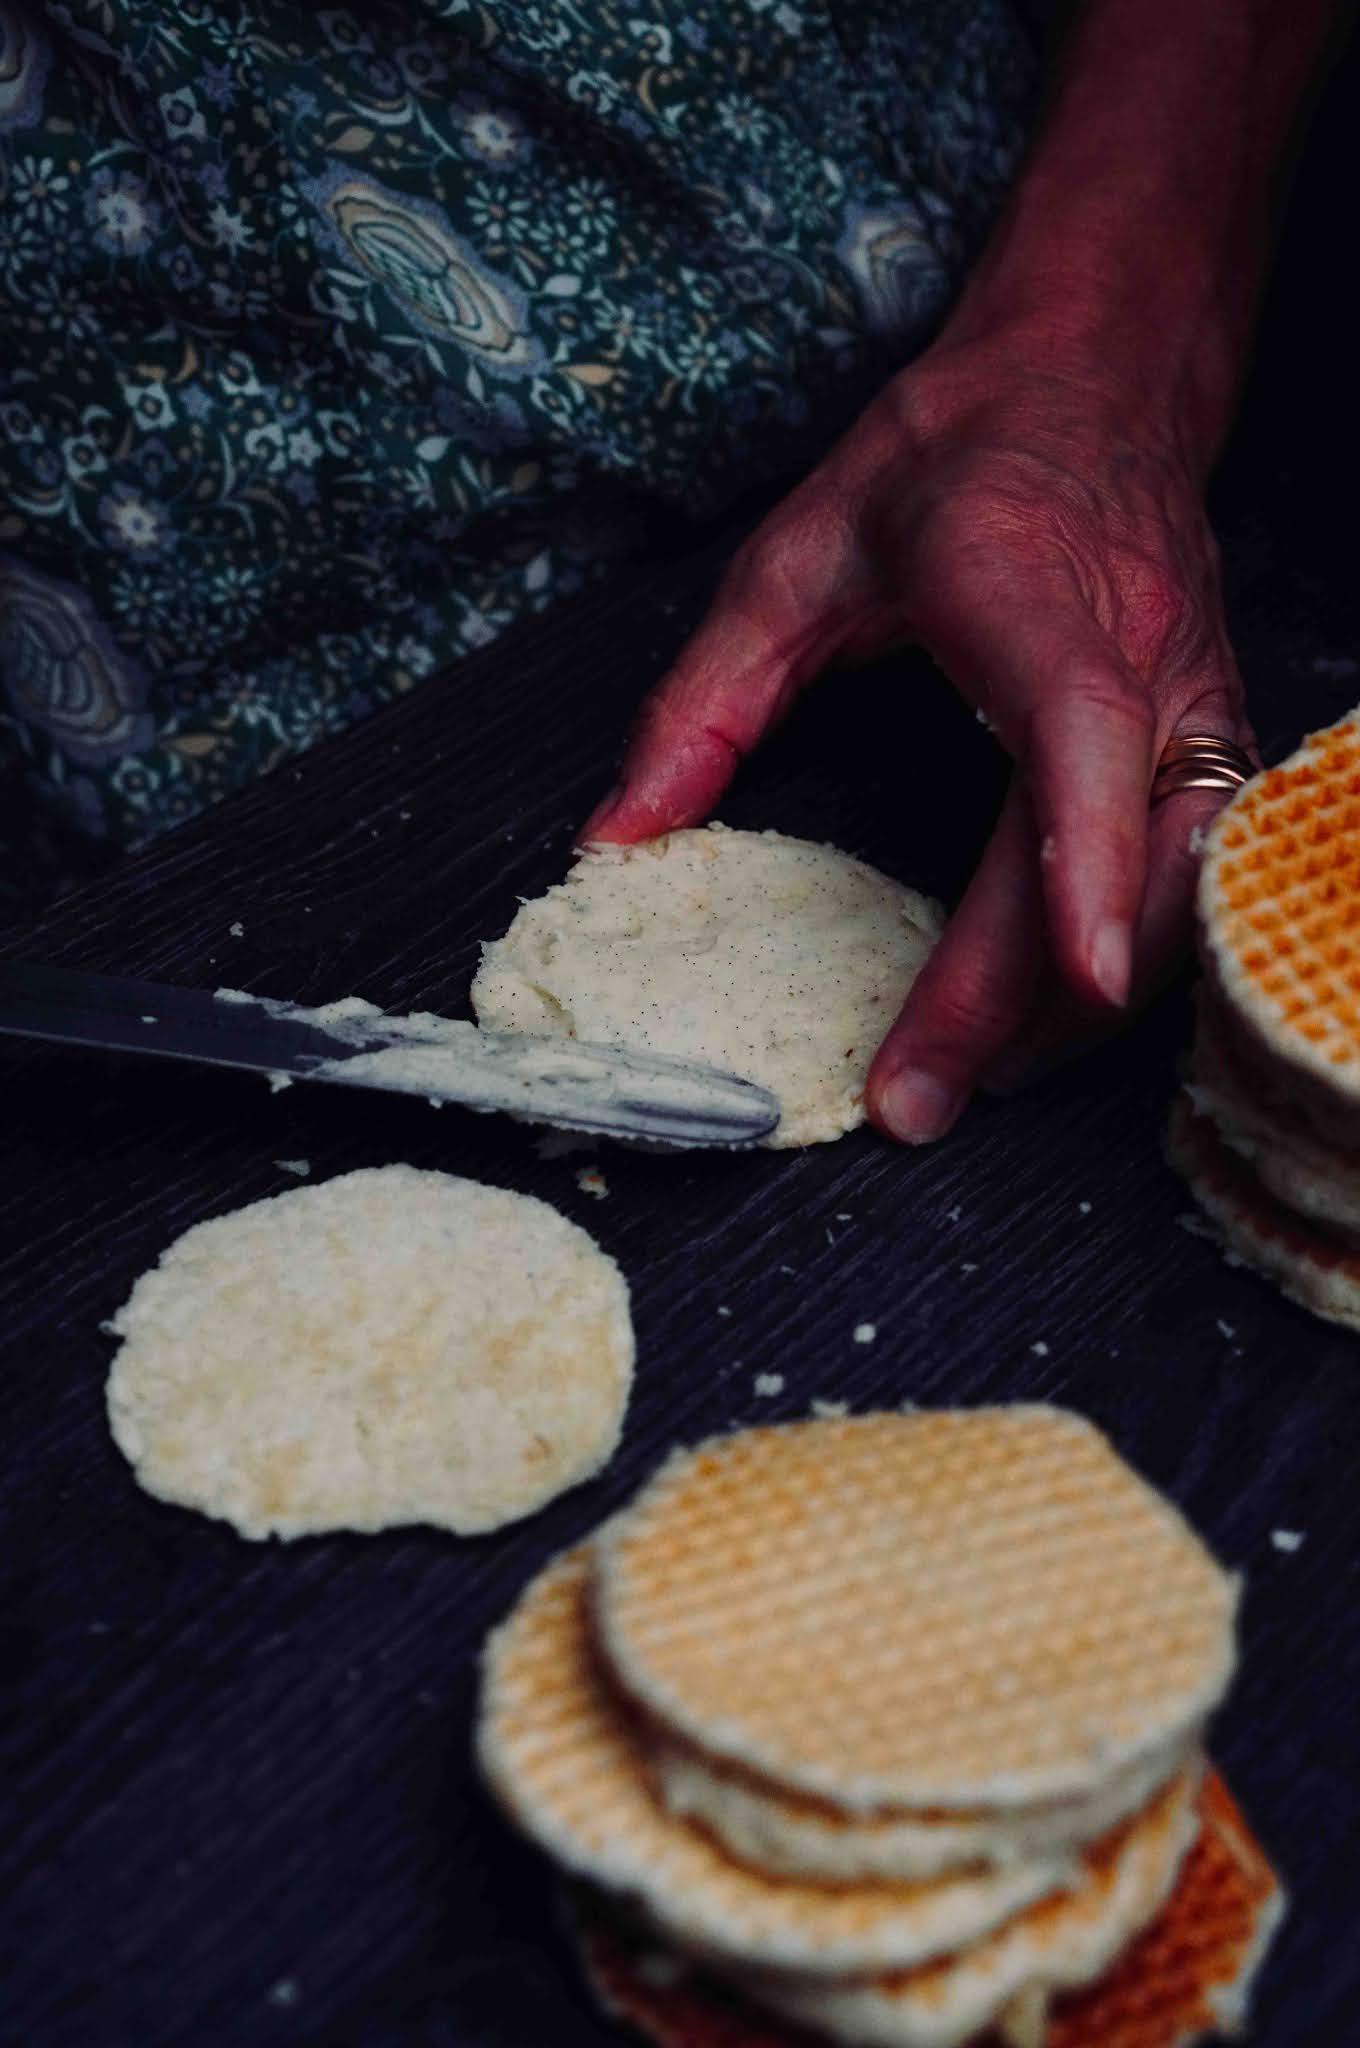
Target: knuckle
(1114,696)
(964,1014)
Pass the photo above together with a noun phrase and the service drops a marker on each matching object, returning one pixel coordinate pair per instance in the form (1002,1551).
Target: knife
(601,1089)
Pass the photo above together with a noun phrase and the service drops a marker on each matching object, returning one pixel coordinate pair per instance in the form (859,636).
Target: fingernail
(916,1107)
(603,810)
(1112,962)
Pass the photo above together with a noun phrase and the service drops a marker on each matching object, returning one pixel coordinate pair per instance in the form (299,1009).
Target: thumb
(780,610)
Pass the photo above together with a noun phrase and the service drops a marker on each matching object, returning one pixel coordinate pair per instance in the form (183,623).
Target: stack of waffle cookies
(887,1730)
(1266,1128)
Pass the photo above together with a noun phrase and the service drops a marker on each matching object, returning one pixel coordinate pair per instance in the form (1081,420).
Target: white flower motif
(304,448)
(492,134)
(415,655)
(150,404)
(181,115)
(36,188)
(229,230)
(82,457)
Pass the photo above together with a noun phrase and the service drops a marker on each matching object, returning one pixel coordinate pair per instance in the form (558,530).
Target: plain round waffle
(792,1836)
(977,1608)
(1279,909)
(1185,1979)
(768,957)
(565,1755)
(1279,1143)
(1319,1273)
(387,1347)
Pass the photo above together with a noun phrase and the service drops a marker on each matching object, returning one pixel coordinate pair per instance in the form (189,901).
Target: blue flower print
(490,134)
(135,524)
(125,219)
(217,84)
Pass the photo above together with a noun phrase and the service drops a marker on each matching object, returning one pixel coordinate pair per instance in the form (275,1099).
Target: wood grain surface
(242,1802)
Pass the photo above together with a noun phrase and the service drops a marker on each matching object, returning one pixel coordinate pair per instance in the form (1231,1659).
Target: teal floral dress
(332,342)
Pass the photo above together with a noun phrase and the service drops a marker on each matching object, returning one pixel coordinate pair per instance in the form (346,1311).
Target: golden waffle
(564,1755)
(789,1835)
(971,1609)
(1318,1272)
(1055,1945)
(1188,1976)
(1279,906)
(1278,1141)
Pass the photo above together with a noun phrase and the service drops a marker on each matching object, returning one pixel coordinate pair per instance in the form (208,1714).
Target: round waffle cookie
(1058,1944)
(1279,906)
(997,1610)
(564,1754)
(1320,1273)
(794,1836)
(1286,1154)
(1184,1979)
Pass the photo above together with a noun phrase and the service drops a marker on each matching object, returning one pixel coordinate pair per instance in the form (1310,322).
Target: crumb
(1287,1540)
(405,817)
(830,1235)
(435,1101)
(983,720)
(1338,665)
(1190,1220)
(278,1081)
(845,1218)
(865,1333)
(1196,840)
(1048,849)
(830,1411)
(237,930)
(591,1181)
(1083,1208)
(769,1383)
(955,1215)
(301,1167)
(285,1992)
(1226,1330)
(723,1309)
(1040,1349)
(968,1266)
(149,1020)
(792,1271)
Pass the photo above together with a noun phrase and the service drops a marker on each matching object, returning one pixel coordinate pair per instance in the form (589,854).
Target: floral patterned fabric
(332,342)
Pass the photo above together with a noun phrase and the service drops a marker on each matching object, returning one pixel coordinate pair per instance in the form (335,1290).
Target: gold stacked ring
(1200,760)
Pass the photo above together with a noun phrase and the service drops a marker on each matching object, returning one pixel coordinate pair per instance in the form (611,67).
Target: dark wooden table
(243,1808)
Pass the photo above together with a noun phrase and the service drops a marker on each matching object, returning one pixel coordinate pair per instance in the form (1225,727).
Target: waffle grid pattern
(1280,905)
(974,1609)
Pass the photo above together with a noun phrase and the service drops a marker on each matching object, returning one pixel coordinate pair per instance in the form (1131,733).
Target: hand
(1040,530)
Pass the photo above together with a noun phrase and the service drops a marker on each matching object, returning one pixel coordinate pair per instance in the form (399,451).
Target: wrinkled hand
(1044,539)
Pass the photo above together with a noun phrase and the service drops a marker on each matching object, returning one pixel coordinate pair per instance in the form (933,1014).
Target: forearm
(1139,233)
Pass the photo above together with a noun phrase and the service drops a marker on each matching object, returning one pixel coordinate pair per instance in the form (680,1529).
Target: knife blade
(606,1090)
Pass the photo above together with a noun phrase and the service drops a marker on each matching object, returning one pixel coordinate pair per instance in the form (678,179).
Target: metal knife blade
(601,1089)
